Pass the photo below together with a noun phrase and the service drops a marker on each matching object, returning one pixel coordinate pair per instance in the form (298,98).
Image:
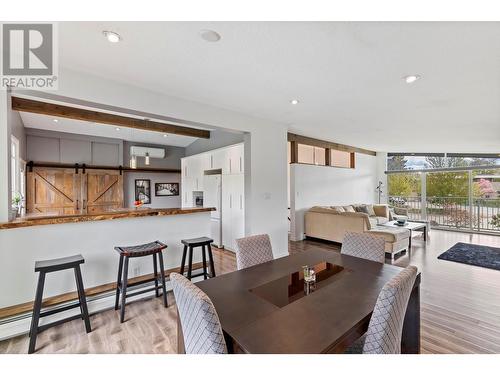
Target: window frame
(15,161)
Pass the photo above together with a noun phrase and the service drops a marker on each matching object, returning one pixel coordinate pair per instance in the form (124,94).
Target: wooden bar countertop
(32,220)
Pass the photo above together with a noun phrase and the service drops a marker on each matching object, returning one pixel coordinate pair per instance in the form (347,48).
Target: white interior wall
(265,161)
(312,185)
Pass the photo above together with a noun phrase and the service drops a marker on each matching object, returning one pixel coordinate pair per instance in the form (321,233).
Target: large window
(404,161)
(455,191)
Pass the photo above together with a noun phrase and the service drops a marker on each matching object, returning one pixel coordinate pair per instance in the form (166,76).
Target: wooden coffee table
(412,226)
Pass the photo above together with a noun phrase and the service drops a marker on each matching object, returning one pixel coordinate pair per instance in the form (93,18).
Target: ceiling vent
(152,152)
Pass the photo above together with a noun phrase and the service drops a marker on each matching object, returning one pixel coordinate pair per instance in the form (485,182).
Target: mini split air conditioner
(152,152)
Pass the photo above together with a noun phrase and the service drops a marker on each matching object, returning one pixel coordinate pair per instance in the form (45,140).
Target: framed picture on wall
(166,189)
(143,191)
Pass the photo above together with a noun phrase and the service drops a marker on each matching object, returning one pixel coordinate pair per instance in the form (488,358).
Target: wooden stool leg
(211,259)
(118,281)
(124,290)
(190,262)
(36,312)
(155,270)
(162,276)
(205,272)
(82,298)
(183,261)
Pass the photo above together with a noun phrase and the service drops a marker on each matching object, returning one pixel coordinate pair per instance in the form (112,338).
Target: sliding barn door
(53,191)
(102,191)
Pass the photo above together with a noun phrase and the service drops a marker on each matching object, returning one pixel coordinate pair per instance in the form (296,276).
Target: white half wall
(312,185)
(95,240)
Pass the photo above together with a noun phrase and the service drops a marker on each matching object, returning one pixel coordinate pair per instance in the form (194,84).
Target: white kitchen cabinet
(233,209)
(235,155)
(218,158)
(229,159)
(193,167)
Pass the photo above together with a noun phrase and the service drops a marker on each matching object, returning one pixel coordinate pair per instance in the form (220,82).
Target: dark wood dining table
(264,309)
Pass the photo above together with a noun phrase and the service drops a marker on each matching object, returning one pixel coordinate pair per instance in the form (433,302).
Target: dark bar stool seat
(127,252)
(47,266)
(189,245)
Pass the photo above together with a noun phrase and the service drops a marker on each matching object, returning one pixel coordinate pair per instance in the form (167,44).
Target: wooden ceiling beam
(57,110)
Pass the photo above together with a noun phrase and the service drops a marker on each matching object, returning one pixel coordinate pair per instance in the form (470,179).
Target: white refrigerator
(212,197)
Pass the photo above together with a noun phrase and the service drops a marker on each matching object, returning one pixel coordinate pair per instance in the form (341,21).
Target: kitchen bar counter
(32,220)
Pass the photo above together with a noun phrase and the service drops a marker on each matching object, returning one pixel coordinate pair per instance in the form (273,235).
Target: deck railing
(482,214)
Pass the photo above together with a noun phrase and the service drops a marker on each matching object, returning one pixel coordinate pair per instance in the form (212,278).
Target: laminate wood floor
(460,308)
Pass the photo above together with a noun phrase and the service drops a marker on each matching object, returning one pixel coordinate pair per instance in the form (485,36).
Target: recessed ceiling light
(117,129)
(56,120)
(411,78)
(165,135)
(112,37)
(294,101)
(210,35)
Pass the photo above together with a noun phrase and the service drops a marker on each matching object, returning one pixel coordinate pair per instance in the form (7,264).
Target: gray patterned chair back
(253,250)
(363,245)
(386,324)
(200,323)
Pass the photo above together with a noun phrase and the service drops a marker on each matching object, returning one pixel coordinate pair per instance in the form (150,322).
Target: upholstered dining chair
(363,245)
(253,250)
(200,323)
(386,323)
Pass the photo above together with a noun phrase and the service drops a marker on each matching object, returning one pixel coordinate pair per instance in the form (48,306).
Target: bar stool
(202,242)
(127,252)
(47,266)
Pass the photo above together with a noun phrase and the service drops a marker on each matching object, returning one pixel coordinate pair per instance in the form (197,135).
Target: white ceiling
(347,75)
(36,121)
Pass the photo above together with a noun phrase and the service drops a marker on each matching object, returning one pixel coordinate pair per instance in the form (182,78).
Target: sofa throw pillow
(359,207)
(363,209)
(339,209)
(370,211)
(336,209)
(349,209)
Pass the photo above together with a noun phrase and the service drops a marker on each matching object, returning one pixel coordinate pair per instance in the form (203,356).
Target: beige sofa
(328,223)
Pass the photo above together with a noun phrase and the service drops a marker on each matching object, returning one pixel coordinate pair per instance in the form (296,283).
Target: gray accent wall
(218,139)
(172,160)
(156,202)
(58,147)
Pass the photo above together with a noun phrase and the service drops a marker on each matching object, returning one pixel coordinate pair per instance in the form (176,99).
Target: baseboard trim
(22,308)
(20,324)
